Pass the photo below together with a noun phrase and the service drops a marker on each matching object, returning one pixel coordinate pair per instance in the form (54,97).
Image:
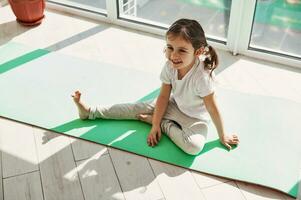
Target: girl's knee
(193,150)
(143,108)
(194,147)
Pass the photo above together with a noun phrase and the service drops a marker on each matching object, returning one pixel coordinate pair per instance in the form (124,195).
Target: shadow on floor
(9,30)
(76,38)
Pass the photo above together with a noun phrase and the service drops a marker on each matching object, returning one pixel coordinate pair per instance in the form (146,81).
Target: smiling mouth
(176,62)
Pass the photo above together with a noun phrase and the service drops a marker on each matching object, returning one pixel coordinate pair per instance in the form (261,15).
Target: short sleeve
(165,75)
(205,85)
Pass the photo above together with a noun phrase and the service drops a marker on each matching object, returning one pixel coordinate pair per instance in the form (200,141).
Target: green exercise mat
(39,92)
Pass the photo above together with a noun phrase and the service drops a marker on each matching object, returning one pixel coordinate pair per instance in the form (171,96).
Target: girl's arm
(214,112)
(160,108)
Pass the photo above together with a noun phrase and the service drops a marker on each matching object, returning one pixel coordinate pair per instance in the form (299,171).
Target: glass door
(95,6)
(276,27)
(212,15)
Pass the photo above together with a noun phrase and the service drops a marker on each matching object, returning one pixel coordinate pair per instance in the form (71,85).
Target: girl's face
(180,52)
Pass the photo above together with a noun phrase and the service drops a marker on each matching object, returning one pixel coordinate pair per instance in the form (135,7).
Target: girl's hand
(154,136)
(229,139)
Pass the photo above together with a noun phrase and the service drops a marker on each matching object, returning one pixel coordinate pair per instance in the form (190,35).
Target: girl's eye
(182,52)
(169,48)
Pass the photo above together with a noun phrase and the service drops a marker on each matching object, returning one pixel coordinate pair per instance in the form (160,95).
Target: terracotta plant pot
(28,12)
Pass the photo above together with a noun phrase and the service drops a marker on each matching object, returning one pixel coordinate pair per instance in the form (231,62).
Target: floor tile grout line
(83,159)
(108,149)
(244,196)
(21,174)
(197,184)
(39,166)
(148,160)
(2,174)
(78,175)
(228,181)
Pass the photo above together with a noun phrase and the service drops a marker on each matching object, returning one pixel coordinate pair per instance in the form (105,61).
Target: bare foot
(145,118)
(83,110)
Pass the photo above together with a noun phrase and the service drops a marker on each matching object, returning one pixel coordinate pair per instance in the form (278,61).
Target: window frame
(237,41)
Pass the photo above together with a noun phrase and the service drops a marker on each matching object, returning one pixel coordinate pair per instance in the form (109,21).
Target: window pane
(277,26)
(213,15)
(93,5)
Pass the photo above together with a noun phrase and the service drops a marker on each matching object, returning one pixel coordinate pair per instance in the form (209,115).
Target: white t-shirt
(188,92)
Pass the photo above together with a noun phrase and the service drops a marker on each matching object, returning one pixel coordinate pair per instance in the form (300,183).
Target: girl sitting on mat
(186,95)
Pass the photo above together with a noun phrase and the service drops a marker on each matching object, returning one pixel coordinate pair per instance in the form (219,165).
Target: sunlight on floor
(245,71)
(82,166)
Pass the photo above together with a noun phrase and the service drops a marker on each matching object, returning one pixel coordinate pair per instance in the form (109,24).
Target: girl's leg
(186,132)
(190,140)
(83,110)
(122,111)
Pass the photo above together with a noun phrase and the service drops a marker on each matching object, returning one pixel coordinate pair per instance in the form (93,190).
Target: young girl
(186,95)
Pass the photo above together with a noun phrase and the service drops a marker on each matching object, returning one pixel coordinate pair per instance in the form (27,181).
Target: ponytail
(211,59)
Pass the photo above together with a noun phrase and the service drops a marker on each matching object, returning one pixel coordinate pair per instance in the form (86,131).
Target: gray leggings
(186,132)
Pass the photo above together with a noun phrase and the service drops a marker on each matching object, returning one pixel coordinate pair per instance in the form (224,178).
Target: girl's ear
(199,51)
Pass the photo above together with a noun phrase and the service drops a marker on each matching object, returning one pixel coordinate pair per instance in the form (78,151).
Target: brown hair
(192,31)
